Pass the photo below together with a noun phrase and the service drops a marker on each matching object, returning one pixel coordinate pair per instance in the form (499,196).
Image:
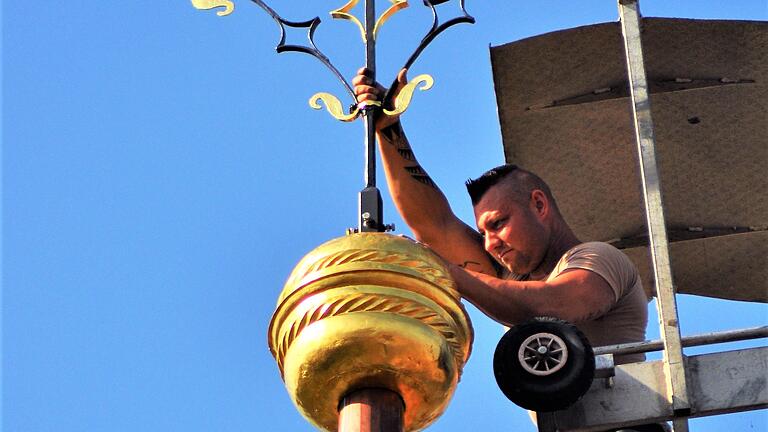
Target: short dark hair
(522,183)
(479,186)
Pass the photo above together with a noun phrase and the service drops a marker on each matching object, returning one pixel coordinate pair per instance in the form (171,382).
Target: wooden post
(371,410)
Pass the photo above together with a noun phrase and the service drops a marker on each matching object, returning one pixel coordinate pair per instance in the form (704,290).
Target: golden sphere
(370,310)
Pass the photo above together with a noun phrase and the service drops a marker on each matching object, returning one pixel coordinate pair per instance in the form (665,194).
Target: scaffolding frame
(677,387)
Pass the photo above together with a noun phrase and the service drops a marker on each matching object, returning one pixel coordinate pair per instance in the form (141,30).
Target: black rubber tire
(544,393)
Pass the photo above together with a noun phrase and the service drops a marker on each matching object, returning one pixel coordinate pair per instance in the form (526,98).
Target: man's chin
(517,268)
(513,268)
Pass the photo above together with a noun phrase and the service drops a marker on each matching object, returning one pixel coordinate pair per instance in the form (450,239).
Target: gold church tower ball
(370,310)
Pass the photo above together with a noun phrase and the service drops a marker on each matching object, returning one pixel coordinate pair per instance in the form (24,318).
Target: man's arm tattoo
(395,136)
(420,175)
(392,132)
(469,263)
(406,154)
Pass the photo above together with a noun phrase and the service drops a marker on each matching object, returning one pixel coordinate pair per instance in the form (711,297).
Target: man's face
(514,233)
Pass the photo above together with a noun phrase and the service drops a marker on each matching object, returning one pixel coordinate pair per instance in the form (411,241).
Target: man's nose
(491,242)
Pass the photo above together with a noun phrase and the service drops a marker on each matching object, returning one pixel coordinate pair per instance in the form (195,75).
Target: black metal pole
(370,63)
(370,204)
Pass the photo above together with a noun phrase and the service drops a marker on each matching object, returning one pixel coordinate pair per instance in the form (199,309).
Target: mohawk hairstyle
(479,186)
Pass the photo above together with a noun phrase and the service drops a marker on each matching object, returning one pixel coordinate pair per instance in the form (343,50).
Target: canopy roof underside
(565,114)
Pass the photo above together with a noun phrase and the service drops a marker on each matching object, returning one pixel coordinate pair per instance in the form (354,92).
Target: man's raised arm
(418,199)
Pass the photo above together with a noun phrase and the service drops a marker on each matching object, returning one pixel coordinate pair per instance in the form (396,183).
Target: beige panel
(568,63)
(732,267)
(712,142)
(711,136)
(713,181)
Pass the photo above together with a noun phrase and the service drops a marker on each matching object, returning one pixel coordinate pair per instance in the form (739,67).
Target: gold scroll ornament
(401,103)
(343,13)
(370,310)
(211,4)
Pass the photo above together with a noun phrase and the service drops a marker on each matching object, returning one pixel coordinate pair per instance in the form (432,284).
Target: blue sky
(163,173)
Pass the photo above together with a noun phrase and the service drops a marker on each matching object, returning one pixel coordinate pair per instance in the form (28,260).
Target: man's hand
(367,90)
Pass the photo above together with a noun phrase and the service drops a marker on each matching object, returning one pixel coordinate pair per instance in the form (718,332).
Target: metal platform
(723,382)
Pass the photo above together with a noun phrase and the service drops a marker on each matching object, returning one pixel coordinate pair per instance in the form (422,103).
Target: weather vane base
(370,311)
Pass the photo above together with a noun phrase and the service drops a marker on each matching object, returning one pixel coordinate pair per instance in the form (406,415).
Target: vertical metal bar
(370,207)
(370,63)
(674,366)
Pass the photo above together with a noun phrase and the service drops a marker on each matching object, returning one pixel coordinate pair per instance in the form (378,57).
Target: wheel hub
(542,354)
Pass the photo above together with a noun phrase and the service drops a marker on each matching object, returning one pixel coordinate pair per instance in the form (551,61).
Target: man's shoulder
(594,246)
(597,250)
(605,260)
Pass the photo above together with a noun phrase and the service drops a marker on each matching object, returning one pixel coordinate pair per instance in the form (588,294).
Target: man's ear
(540,202)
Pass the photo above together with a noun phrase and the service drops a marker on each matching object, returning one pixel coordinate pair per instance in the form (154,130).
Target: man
(525,261)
